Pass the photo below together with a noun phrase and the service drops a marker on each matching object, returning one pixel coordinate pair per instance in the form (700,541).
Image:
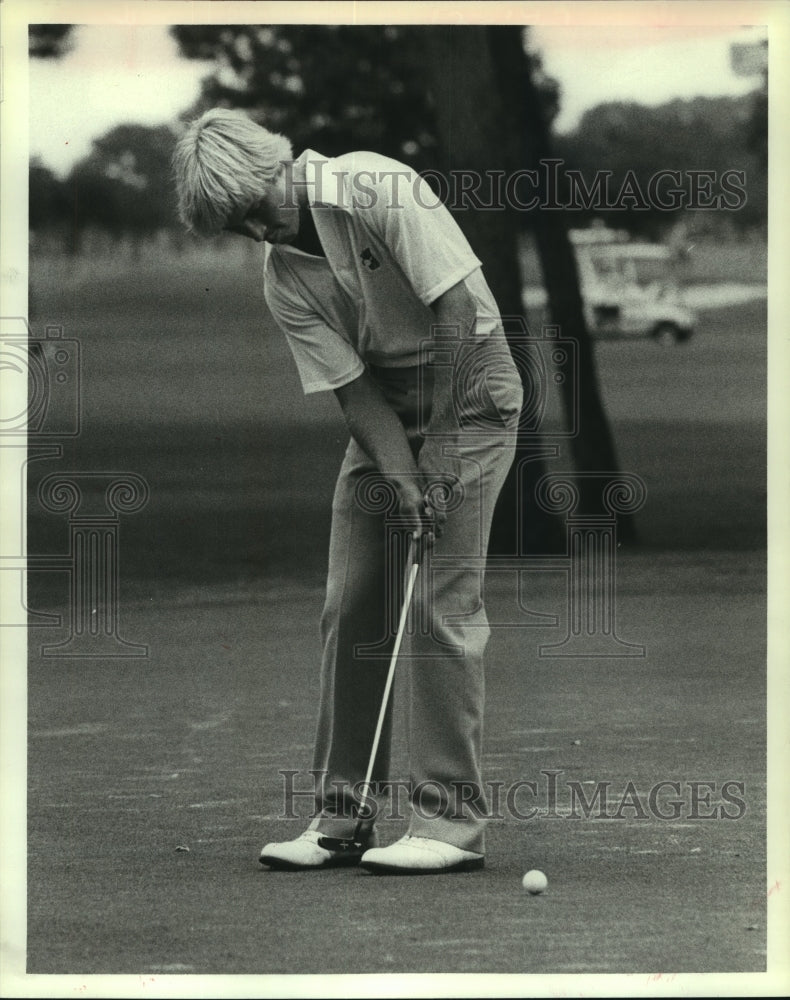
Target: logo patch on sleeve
(369,260)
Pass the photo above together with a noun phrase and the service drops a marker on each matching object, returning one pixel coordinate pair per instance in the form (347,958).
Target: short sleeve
(418,229)
(324,359)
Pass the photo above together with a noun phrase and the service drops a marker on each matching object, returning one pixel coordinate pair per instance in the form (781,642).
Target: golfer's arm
(375,427)
(455,309)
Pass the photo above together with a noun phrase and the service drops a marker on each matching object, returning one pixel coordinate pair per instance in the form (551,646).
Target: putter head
(341,845)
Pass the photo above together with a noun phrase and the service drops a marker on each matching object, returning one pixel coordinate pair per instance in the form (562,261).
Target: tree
(514,133)
(593,446)
(482,144)
(49,41)
(757,131)
(710,134)
(123,185)
(47,198)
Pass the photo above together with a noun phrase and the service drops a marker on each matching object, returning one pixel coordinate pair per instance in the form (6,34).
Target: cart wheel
(667,333)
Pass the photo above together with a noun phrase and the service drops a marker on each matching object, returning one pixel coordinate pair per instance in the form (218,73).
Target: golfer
(382,302)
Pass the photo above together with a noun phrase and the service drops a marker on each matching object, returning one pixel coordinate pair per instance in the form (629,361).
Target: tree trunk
(471,121)
(526,127)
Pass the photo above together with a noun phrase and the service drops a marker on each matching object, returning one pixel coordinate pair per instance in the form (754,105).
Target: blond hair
(222,163)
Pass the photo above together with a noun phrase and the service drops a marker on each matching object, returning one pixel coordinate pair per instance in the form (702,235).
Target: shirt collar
(325,188)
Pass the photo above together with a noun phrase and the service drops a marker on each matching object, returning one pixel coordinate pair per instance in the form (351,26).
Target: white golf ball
(535,882)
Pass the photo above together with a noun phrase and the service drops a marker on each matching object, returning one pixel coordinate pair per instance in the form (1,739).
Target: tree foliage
(47,196)
(757,130)
(49,41)
(331,87)
(712,134)
(123,185)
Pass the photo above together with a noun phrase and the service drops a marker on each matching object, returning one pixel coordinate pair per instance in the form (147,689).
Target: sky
(651,66)
(123,73)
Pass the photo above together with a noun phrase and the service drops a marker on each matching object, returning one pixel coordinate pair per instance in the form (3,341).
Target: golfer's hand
(425,522)
(440,483)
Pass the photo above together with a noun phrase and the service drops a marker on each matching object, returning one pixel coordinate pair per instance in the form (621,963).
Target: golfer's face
(272,218)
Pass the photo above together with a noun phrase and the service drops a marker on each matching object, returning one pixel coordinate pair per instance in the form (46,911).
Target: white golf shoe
(420,856)
(307,852)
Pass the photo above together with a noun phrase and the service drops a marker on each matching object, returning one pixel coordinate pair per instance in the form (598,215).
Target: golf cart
(630,289)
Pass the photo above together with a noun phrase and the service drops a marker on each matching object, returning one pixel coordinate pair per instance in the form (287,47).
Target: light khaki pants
(443,650)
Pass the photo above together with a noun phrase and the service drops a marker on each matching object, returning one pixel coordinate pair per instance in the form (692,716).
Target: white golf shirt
(392,248)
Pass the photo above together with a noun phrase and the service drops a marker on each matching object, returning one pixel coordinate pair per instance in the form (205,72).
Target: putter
(355,844)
